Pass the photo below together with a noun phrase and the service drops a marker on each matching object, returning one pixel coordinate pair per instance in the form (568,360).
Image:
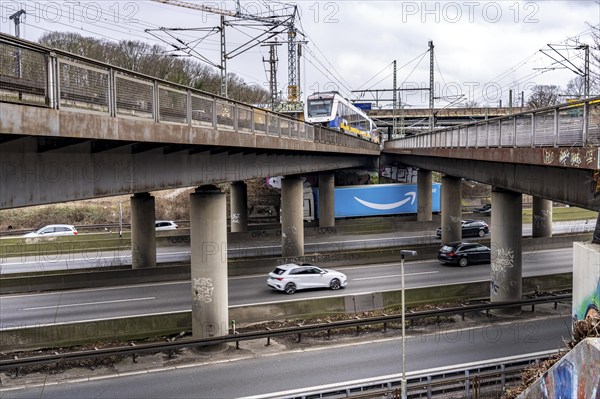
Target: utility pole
(223,59)
(272,61)
(431,82)
(277,23)
(16,17)
(292,66)
(586,76)
(566,63)
(394,101)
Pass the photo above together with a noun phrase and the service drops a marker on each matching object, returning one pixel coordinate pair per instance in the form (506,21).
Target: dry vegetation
(170,205)
(588,328)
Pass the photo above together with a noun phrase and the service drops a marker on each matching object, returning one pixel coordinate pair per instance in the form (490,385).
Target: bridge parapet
(565,125)
(31,74)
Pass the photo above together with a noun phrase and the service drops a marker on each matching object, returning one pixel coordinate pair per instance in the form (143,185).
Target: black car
(464,253)
(484,210)
(470,228)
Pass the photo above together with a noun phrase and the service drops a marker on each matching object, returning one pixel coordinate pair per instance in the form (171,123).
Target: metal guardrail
(36,75)
(566,125)
(472,380)
(16,363)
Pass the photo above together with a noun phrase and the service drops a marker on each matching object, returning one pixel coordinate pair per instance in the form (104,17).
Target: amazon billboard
(381,199)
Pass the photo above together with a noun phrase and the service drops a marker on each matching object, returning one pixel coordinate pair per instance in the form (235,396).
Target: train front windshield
(319,107)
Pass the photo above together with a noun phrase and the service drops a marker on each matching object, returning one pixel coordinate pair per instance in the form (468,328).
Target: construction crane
(274,21)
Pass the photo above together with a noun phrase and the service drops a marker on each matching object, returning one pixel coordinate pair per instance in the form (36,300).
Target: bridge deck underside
(576,186)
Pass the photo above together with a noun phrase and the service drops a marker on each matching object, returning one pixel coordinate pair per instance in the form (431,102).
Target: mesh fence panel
(294,126)
(593,135)
(83,86)
(544,129)
(202,110)
(23,75)
(570,127)
(273,121)
(284,127)
(524,131)
(307,132)
(508,133)
(225,114)
(172,105)
(260,121)
(244,119)
(493,134)
(135,97)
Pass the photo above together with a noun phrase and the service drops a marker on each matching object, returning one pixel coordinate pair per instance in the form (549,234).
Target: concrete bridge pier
(326,199)
(542,218)
(292,212)
(451,209)
(239,207)
(507,252)
(424,196)
(208,235)
(143,231)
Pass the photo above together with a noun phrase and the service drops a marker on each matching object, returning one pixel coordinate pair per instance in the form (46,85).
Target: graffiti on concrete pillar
(539,220)
(503,261)
(203,289)
(235,218)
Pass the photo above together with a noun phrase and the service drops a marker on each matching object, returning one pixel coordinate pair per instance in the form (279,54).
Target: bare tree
(543,96)
(155,61)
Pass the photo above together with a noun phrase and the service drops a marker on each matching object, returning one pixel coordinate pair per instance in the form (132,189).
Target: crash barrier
(488,378)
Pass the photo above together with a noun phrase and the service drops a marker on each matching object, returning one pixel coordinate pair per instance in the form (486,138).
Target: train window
(319,107)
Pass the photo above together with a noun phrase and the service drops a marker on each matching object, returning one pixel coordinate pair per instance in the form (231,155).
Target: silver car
(53,230)
(162,225)
(292,277)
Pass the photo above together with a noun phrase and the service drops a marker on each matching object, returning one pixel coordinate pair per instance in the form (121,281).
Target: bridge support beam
(542,218)
(239,207)
(326,199)
(451,209)
(424,196)
(507,252)
(143,232)
(208,235)
(292,212)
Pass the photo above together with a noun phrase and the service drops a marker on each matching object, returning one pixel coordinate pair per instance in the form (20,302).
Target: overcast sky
(482,48)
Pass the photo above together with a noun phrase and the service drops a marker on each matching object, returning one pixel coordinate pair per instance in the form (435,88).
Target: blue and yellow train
(331,110)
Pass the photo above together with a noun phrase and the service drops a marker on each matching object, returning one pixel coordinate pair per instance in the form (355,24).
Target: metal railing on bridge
(575,124)
(33,74)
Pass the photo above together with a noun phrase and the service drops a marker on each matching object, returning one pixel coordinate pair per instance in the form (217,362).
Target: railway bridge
(72,128)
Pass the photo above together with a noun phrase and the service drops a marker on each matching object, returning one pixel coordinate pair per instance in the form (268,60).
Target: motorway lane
(318,366)
(47,260)
(110,302)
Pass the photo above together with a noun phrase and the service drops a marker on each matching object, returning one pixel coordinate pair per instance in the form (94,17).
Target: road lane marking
(150,298)
(393,275)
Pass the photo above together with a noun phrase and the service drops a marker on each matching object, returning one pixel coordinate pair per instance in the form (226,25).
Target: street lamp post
(404,253)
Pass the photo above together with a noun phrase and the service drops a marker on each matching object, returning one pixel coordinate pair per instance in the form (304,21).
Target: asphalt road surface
(143,299)
(280,372)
